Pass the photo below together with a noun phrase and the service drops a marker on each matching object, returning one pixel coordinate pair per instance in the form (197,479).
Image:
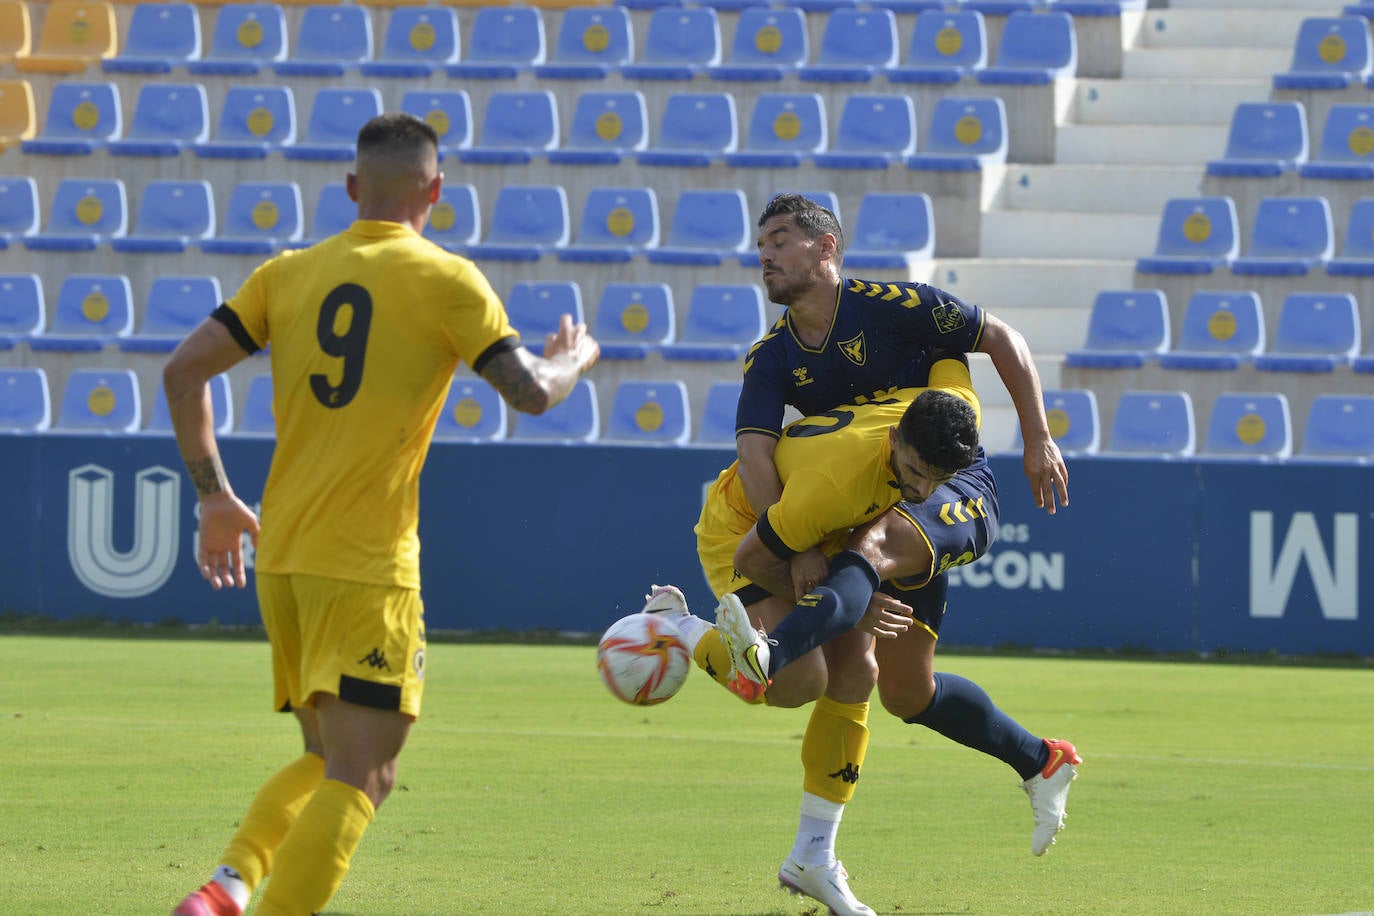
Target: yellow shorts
(364,644)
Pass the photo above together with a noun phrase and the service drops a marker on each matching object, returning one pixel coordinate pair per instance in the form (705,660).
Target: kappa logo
(854,350)
(948,317)
(148,563)
(847,773)
(375,659)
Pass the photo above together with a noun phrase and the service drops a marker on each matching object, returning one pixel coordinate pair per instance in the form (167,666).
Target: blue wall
(1186,556)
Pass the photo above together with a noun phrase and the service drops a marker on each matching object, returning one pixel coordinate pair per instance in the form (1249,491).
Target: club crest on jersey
(854,350)
(948,317)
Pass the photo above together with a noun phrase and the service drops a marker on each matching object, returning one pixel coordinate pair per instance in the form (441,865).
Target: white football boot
(748,648)
(666,601)
(827,883)
(1049,793)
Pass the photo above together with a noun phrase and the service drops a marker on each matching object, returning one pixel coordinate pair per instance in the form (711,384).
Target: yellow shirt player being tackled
(366,330)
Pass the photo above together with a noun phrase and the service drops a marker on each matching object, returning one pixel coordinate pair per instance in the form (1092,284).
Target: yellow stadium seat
(18,120)
(75,35)
(16,32)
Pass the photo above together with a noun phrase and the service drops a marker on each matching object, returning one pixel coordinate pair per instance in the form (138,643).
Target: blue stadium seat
(592,42)
(577,419)
(679,43)
(1357,254)
(261,218)
(168,118)
(1222,329)
(1265,140)
(874,131)
(92,310)
(1196,236)
(221,407)
(1126,328)
(769,42)
(893,229)
(965,133)
(455,222)
(22,311)
(1340,427)
(718,414)
(85,213)
(503,42)
(419,41)
(723,321)
(785,130)
(253,121)
(172,215)
(334,212)
(247,38)
(25,405)
(330,40)
(448,111)
(160,36)
(649,413)
(536,307)
(256,416)
(856,45)
(617,224)
(336,116)
(1316,332)
(696,129)
(526,221)
(945,47)
(606,126)
(473,412)
(1345,151)
(633,319)
(516,126)
(82,117)
(708,227)
(1290,237)
(175,306)
(1155,423)
(1036,48)
(1329,53)
(18,209)
(100,401)
(1073,421)
(1249,426)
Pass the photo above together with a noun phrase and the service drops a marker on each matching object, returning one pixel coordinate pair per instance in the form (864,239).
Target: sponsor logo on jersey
(948,317)
(803,376)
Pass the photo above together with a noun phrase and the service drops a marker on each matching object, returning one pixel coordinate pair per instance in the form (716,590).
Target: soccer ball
(643,659)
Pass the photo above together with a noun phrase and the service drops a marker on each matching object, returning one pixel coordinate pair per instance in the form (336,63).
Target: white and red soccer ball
(643,659)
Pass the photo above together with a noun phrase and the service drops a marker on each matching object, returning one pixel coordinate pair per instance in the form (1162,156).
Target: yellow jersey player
(366,330)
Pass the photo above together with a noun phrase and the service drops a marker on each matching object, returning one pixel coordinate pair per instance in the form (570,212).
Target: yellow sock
(711,657)
(314,857)
(833,748)
(270,816)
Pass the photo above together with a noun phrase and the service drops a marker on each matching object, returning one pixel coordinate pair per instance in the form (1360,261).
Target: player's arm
(765,568)
(532,384)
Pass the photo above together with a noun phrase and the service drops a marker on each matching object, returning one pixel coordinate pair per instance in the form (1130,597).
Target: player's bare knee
(797,684)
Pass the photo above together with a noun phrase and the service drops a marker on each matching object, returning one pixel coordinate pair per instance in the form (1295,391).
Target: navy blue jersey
(880,339)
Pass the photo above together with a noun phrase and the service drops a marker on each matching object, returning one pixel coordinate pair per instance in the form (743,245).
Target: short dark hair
(942,428)
(812,218)
(396,131)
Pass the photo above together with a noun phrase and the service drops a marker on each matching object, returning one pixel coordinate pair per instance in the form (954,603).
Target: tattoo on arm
(508,374)
(208,475)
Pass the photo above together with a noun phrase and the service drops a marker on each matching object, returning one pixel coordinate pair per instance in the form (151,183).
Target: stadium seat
(965,133)
(75,35)
(718,414)
(172,215)
(334,212)
(945,47)
(1290,236)
(1329,53)
(649,413)
(253,121)
(168,118)
(855,45)
(516,126)
(1155,423)
(606,126)
(634,319)
(679,44)
(1345,150)
(1222,329)
(454,222)
(893,229)
(535,308)
(100,401)
(221,407)
(1036,48)
(768,43)
(576,419)
(18,209)
(18,113)
(419,42)
(708,227)
(329,41)
(1265,140)
(473,412)
(785,130)
(175,306)
(1357,254)
(247,38)
(1316,332)
(617,224)
(82,117)
(696,129)
(22,312)
(257,418)
(503,42)
(874,131)
(1126,328)
(25,405)
(448,111)
(92,311)
(161,36)
(16,30)
(1250,426)
(1073,421)
(85,213)
(723,321)
(1340,427)
(592,42)
(526,221)
(336,116)
(1196,236)
(261,218)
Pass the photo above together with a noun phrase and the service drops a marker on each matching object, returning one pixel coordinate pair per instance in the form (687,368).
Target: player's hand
(1047,473)
(223,520)
(574,341)
(809,568)
(886,617)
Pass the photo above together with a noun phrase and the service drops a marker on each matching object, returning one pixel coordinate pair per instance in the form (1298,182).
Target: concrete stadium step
(1164,101)
(1140,144)
(1201,63)
(1096,188)
(1225,27)
(1056,233)
(999,284)
(1311,7)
